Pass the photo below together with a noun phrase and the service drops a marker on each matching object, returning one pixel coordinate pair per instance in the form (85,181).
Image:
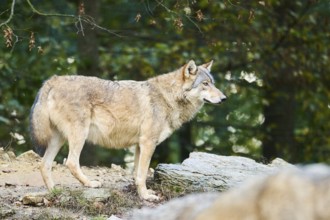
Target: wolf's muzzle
(216,103)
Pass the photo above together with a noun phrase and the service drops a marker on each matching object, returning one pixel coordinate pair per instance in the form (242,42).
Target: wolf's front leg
(136,160)
(147,149)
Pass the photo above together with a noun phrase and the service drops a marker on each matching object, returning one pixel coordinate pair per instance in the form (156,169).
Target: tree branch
(177,14)
(79,20)
(11,14)
(51,14)
(291,26)
(194,23)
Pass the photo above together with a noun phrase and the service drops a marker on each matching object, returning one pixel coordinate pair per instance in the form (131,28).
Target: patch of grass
(117,203)
(170,191)
(56,192)
(67,199)
(51,216)
(99,218)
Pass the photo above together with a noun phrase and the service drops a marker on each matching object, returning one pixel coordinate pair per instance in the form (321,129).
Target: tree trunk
(185,140)
(279,121)
(280,91)
(88,43)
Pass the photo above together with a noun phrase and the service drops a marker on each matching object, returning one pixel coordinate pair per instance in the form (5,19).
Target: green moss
(50,216)
(121,201)
(100,218)
(56,191)
(170,191)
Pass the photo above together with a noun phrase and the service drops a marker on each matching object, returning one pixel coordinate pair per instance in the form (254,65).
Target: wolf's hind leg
(52,150)
(76,144)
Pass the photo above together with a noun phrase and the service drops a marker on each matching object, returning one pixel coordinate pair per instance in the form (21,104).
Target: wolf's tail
(40,125)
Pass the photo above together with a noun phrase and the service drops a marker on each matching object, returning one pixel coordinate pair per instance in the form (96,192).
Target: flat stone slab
(209,172)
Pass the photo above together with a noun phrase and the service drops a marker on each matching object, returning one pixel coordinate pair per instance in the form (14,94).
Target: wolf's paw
(150,196)
(94,184)
(151,192)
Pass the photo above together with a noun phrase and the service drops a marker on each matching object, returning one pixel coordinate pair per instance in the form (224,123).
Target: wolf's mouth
(207,101)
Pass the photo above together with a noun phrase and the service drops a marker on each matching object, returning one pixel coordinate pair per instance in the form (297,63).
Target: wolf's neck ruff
(180,107)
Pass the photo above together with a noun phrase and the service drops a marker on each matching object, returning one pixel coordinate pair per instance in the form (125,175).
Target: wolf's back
(40,125)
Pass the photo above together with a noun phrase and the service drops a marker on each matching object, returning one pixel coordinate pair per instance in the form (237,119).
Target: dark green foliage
(271,60)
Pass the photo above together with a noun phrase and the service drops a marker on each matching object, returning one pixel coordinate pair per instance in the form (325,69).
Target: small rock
(33,199)
(93,194)
(113,217)
(116,167)
(29,156)
(46,202)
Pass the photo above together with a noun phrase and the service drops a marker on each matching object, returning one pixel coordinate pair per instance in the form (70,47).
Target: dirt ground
(20,176)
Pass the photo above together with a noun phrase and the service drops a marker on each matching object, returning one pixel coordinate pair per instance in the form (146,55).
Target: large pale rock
(208,172)
(185,208)
(295,194)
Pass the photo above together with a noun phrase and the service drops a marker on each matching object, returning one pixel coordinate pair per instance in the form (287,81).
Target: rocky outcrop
(209,172)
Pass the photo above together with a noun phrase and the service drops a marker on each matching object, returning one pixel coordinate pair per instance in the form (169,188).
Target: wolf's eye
(205,83)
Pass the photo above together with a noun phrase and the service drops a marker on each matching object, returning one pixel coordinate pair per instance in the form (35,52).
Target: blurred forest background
(272,60)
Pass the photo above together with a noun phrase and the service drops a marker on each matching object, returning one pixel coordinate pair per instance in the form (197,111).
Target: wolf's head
(199,83)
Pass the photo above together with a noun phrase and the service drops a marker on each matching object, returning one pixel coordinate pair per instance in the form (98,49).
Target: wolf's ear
(208,65)
(190,69)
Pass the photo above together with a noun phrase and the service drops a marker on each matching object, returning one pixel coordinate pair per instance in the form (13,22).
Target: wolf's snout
(217,99)
(222,97)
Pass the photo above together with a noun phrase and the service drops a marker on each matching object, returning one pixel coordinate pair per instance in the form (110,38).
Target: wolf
(117,114)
